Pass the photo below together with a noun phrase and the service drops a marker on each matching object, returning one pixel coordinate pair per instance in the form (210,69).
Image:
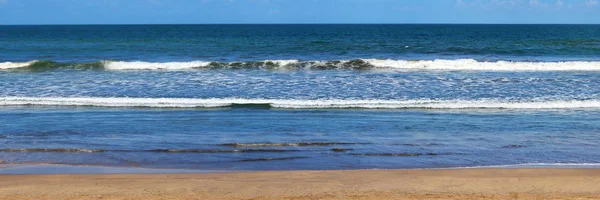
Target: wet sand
(357,184)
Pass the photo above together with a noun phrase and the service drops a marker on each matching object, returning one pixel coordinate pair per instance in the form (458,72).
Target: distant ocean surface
(287,97)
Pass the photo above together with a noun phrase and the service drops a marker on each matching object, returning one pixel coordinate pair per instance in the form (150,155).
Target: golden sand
(474,184)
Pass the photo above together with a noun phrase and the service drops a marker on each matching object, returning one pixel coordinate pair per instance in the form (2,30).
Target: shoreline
(480,183)
(65,169)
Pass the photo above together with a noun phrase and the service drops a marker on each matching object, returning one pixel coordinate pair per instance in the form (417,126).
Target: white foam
(112,102)
(295,104)
(138,65)
(283,62)
(435,104)
(473,65)
(451,65)
(14,65)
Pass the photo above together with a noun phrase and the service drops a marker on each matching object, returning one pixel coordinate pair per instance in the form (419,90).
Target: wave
(397,154)
(45,65)
(296,104)
(121,65)
(357,64)
(514,146)
(49,150)
(220,150)
(341,149)
(419,145)
(271,159)
(15,65)
(67,150)
(297,144)
(473,65)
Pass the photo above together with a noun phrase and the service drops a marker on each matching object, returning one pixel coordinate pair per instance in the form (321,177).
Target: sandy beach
(356,184)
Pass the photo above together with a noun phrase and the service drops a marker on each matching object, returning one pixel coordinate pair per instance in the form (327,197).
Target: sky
(298,11)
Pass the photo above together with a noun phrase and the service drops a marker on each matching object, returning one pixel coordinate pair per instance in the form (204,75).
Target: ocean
(300,97)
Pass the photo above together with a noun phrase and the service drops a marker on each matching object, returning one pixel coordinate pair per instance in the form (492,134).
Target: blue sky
(297,11)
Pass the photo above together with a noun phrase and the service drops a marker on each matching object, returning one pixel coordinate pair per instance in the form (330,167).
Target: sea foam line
(471,64)
(537,165)
(458,65)
(295,104)
(138,65)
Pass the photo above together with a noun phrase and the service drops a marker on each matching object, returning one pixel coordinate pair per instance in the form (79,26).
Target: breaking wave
(296,104)
(15,65)
(357,64)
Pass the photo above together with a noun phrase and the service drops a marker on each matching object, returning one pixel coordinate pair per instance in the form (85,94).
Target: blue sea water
(279,97)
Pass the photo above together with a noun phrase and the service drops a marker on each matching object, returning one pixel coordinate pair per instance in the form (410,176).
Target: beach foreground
(355,184)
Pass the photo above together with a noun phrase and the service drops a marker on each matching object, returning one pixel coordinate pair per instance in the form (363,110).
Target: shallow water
(261,139)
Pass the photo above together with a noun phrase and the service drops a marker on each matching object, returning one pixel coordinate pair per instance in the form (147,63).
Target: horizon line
(125,24)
